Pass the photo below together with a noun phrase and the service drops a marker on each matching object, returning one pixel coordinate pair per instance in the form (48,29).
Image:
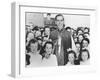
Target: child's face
(86,30)
(30,36)
(78,47)
(47,31)
(80,32)
(80,38)
(38,33)
(75,39)
(71,57)
(69,30)
(45,39)
(48,48)
(72,30)
(84,56)
(60,22)
(85,43)
(34,47)
(86,35)
(31,25)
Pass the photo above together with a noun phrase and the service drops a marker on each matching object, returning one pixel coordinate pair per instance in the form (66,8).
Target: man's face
(60,22)
(30,36)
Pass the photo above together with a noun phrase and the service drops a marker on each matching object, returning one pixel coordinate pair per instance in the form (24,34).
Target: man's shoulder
(66,32)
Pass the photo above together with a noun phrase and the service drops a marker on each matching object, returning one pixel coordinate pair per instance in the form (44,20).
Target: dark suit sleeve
(66,41)
(27,59)
(54,36)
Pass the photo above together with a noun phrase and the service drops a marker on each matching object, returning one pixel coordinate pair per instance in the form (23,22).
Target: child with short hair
(84,57)
(49,59)
(71,56)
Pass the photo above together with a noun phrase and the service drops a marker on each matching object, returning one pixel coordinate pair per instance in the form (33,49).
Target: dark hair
(49,14)
(87,28)
(86,39)
(79,29)
(68,28)
(38,38)
(86,33)
(35,28)
(48,42)
(33,41)
(84,50)
(46,27)
(78,43)
(59,15)
(69,52)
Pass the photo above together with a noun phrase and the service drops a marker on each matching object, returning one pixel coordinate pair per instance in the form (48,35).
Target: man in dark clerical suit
(62,40)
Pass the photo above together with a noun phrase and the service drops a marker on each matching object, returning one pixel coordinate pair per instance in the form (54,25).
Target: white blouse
(85,63)
(69,64)
(51,61)
(35,59)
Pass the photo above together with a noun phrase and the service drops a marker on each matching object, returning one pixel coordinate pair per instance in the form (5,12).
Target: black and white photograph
(49,40)
(57,39)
